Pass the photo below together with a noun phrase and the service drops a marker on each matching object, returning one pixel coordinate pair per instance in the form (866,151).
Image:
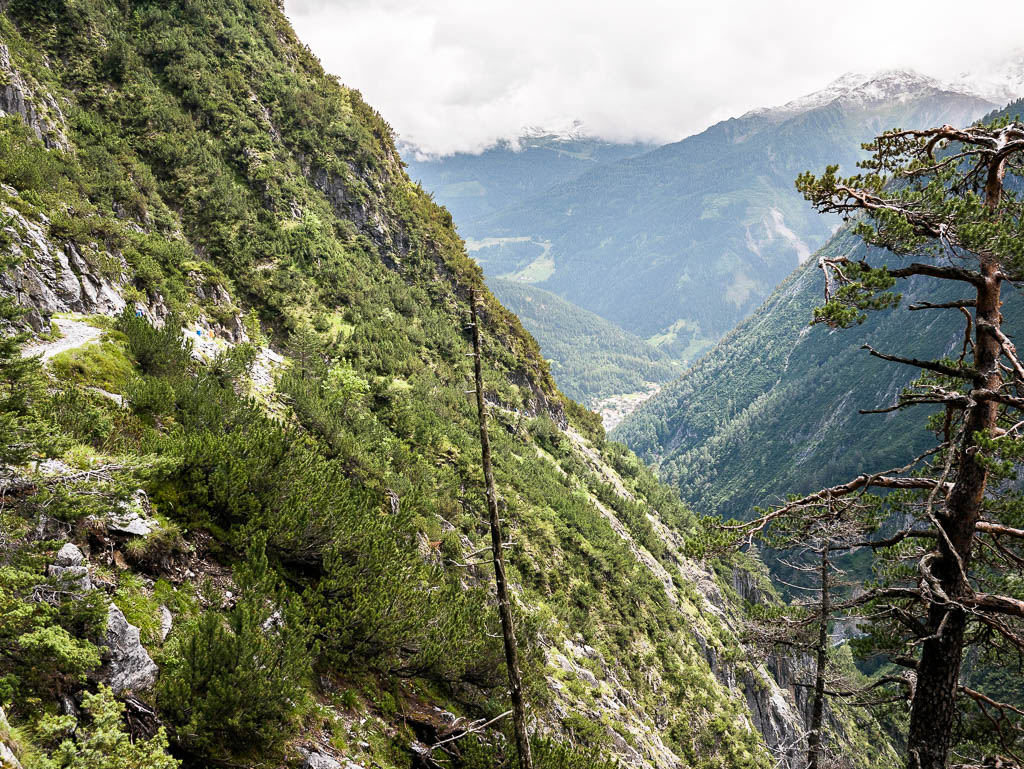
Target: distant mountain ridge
(681,243)
(773,408)
(472,185)
(880,87)
(677,244)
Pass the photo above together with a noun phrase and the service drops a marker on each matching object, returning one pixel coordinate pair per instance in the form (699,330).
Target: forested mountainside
(476,185)
(640,241)
(590,358)
(772,409)
(242,518)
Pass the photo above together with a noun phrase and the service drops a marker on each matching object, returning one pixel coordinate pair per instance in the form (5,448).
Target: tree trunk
(814,739)
(504,604)
(938,672)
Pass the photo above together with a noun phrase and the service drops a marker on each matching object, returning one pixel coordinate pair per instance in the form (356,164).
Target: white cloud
(458,75)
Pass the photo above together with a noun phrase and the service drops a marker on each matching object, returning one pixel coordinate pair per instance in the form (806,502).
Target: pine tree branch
(938,271)
(1000,604)
(998,529)
(888,480)
(927,365)
(943,305)
(1008,347)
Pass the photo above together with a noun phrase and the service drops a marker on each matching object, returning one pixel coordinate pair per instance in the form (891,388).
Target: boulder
(128,521)
(130,517)
(70,555)
(319,761)
(70,570)
(7,758)
(129,665)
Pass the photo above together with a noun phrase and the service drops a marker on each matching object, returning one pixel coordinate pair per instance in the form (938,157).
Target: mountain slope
(680,244)
(254,510)
(772,409)
(590,358)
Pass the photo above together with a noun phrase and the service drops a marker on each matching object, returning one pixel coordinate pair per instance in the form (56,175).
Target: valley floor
(616,408)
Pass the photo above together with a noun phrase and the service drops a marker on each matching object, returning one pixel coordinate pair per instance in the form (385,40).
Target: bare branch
(928,365)
(959,303)
(473,728)
(938,271)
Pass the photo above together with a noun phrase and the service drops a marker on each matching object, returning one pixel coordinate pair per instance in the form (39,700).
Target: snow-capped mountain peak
(567,130)
(1000,81)
(859,88)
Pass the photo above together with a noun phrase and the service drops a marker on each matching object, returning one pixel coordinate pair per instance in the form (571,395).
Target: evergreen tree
(19,383)
(953,572)
(234,683)
(103,743)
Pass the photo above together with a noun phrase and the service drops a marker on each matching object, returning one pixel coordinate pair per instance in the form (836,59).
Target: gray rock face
(129,664)
(130,517)
(39,111)
(70,555)
(52,279)
(70,570)
(7,758)
(320,761)
(166,622)
(130,522)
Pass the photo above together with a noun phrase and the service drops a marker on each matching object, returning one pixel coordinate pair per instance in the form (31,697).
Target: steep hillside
(242,516)
(772,409)
(680,244)
(590,358)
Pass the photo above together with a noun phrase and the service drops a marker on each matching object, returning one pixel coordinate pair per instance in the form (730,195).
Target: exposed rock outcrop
(129,666)
(8,759)
(320,761)
(38,109)
(131,517)
(70,570)
(52,279)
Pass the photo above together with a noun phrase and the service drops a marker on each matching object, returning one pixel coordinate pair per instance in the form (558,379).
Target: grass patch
(103,364)
(139,607)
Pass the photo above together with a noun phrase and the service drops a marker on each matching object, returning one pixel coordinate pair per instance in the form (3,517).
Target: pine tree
(809,545)
(233,683)
(953,578)
(19,384)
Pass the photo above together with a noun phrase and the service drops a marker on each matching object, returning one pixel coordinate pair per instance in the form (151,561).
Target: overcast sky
(458,75)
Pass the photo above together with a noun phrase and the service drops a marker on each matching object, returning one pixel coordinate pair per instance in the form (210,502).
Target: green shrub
(44,648)
(81,414)
(233,683)
(150,396)
(101,743)
(158,351)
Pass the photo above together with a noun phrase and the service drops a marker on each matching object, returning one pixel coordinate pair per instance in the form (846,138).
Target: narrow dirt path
(75,334)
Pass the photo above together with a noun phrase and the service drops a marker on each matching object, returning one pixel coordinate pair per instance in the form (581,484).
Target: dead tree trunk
(814,738)
(504,604)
